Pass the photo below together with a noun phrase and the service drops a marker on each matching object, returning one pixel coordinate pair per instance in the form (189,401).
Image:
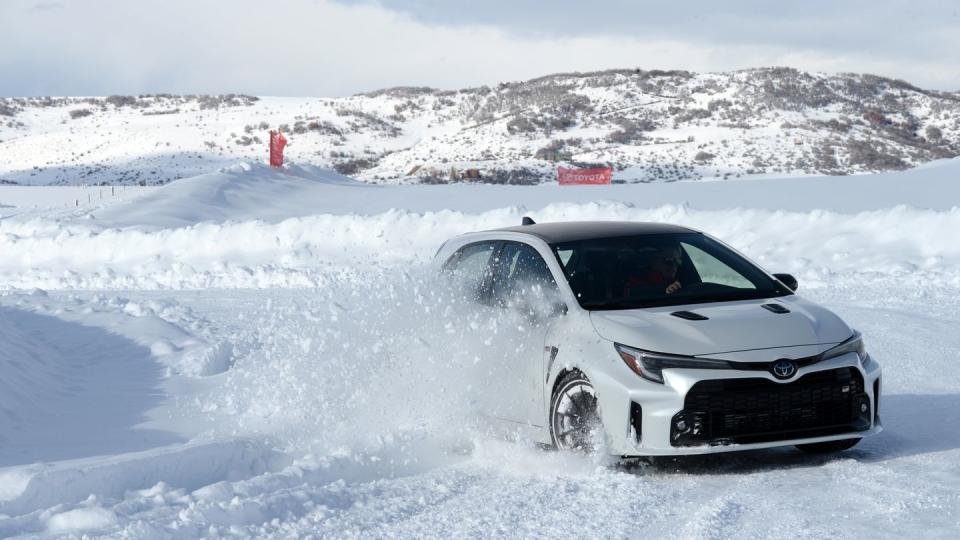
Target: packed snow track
(224,371)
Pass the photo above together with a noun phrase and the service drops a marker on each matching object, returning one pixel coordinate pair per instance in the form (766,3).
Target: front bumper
(709,411)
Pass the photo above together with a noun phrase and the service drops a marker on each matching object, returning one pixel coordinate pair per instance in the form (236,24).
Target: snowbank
(252,191)
(66,381)
(241,192)
(303,252)
(252,226)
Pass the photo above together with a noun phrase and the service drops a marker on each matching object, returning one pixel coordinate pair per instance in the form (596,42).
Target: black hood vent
(689,315)
(776,308)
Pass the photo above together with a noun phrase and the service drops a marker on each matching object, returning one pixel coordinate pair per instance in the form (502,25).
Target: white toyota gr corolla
(650,339)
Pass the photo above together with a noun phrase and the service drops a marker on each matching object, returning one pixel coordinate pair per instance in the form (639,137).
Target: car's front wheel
(574,416)
(829,446)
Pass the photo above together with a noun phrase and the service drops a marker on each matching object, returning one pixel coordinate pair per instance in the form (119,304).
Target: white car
(649,339)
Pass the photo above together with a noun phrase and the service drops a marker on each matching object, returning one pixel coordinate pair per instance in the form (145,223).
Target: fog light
(864,408)
(686,428)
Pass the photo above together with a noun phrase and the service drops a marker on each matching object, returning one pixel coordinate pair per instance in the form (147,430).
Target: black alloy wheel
(574,416)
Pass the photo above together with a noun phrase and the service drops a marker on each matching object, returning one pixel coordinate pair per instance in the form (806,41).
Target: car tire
(574,415)
(828,447)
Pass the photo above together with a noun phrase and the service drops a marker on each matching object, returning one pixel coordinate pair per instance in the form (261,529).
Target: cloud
(318,48)
(847,25)
(47,6)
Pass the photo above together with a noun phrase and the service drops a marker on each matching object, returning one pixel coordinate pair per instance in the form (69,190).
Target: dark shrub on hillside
(694,114)
(402,92)
(354,166)
(719,104)
(866,154)
(226,100)
(631,131)
(324,127)
(536,123)
(247,140)
(79,113)
(122,101)
(521,176)
(833,125)
(520,124)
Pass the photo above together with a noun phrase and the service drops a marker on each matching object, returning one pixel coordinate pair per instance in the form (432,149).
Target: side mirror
(788,280)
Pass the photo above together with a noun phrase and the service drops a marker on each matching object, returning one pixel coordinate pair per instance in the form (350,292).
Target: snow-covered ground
(262,353)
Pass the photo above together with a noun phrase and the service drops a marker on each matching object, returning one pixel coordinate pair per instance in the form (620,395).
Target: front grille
(747,411)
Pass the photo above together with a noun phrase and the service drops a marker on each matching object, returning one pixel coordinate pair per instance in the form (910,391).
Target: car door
(470,271)
(524,292)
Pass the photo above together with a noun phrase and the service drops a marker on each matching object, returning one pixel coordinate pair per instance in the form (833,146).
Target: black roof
(571,231)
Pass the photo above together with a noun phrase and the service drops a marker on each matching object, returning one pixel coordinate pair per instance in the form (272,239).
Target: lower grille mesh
(760,410)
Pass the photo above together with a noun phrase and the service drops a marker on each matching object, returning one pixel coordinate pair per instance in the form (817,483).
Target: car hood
(730,327)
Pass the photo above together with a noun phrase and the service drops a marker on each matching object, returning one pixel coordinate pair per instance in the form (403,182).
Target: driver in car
(660,273)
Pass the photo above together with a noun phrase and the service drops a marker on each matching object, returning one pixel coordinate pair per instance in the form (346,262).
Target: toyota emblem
(784,369)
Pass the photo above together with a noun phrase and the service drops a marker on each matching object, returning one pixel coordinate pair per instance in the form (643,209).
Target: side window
(713,270)
(470,269)
(522,276)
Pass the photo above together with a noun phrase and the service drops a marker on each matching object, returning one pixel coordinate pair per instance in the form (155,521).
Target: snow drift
(250,226)
(302,252)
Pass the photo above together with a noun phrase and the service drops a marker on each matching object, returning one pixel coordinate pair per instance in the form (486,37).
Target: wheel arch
(613,401)
(562,374)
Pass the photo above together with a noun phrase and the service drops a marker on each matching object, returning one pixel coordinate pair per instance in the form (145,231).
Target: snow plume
(358,363)
(308,252)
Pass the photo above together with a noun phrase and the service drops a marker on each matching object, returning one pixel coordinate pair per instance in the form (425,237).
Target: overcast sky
(334,48)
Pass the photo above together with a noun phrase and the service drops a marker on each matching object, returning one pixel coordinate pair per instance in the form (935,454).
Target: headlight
(852,345)
(650,365)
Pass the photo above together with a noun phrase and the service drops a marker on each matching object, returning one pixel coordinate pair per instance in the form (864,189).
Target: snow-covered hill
(650,126)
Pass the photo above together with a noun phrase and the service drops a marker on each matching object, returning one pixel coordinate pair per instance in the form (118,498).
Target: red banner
(277,142)
(567,177)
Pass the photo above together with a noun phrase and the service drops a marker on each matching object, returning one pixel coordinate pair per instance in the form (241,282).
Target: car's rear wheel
(829,446)
(574,416)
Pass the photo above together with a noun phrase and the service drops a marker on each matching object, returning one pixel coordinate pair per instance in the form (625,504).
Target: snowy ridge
(651,126)
(232,228)
(306,251)
(302,252)
(239,192)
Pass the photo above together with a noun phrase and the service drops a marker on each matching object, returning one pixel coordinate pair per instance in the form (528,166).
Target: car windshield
(660,270)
